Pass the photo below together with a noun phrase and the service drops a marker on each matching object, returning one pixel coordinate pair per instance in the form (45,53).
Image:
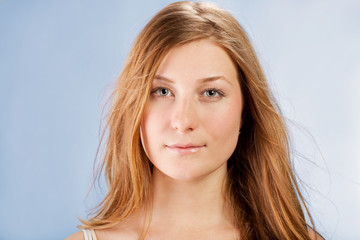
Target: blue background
(58,62)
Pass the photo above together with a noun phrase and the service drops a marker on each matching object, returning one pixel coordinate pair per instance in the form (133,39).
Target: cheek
(224,131)
(152,124)
(154,119)
(225,121)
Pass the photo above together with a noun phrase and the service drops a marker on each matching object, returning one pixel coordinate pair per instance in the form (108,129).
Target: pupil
(211,92)
(163,91)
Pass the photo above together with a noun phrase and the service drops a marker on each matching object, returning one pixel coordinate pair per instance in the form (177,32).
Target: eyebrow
(202,80)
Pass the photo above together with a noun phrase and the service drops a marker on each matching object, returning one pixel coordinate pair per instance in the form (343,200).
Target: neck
(193,203)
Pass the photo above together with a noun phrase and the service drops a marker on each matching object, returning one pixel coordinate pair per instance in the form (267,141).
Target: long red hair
(261,186)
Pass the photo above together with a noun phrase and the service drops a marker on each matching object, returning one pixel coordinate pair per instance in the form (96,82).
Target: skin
(189,130)
(191,124)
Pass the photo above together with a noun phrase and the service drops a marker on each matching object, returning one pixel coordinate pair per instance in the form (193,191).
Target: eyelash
(160,88)
(216,90)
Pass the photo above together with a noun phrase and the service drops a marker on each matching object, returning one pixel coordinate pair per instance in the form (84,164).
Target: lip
(185,149)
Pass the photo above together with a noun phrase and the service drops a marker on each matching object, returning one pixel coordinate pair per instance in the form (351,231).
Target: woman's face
(191,124)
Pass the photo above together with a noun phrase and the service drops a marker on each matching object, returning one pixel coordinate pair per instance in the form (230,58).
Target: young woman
(196,145)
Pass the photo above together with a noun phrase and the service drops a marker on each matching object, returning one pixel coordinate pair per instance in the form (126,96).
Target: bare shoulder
(76,236)
(314,235)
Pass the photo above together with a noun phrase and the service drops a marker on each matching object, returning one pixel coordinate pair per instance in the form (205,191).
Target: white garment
(89,234)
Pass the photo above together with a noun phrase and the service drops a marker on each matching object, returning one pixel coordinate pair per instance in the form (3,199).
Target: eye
(212,93)
(161,91)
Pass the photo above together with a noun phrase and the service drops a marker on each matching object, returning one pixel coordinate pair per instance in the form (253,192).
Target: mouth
(185,149)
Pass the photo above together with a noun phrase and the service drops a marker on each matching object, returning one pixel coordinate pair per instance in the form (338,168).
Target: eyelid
(220,93)
(217,90)
(155,89)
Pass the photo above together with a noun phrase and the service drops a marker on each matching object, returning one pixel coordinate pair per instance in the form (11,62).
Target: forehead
(197,60)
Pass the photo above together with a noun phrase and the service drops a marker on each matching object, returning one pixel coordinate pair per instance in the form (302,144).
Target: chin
(189,173)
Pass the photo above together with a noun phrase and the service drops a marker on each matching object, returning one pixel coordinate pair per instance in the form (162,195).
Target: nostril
(184,116)
(183,125)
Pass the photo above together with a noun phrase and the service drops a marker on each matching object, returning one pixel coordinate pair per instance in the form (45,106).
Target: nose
(184,115)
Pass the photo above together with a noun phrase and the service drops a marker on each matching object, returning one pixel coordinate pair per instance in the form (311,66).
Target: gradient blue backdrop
(58,60)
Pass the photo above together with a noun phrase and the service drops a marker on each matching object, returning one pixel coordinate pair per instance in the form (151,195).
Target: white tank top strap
(89,234)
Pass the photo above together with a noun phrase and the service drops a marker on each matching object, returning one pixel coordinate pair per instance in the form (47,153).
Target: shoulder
(314,235)
(76,236)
